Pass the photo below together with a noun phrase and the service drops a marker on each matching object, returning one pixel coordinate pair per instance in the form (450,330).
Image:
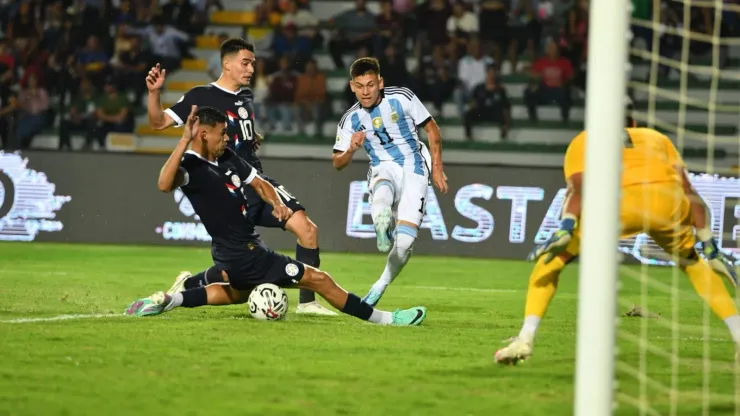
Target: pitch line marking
(463,289)
(60,318)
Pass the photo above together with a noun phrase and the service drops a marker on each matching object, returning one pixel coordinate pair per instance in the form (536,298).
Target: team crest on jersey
(236,181)
(243,113)
(291,269)
(394,117)
(378,122)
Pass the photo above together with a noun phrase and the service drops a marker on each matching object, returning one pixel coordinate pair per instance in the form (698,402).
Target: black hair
(364,66)
(209,116)
(235,45)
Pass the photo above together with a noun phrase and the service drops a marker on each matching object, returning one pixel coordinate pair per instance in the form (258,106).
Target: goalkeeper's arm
(572,203)
(560,239)
(700,213)
(702,219)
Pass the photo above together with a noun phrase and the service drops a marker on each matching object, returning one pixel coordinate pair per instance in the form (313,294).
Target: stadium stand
(98,50)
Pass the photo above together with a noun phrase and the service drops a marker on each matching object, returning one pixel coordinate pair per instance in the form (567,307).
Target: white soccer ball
(268,302)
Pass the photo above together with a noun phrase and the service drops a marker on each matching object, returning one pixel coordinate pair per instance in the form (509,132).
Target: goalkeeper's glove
(557,243)
(719,263)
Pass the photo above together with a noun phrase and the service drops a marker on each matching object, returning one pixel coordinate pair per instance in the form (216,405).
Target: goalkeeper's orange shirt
(647,157)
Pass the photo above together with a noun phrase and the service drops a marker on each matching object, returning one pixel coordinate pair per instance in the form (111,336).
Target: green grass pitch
(217,360)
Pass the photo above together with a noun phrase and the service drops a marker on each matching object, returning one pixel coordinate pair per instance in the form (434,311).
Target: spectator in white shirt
(471,71)
(304,21)
(164,42)
(461,26)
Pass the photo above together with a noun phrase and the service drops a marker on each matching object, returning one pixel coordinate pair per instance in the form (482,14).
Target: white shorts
(409,190)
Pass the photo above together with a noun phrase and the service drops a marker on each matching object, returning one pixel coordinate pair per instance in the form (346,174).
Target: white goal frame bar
(597,283)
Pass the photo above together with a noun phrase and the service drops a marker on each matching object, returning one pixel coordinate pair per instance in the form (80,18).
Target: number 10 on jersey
(247,129)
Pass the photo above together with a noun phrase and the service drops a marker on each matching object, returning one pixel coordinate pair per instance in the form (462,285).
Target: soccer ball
(268,302)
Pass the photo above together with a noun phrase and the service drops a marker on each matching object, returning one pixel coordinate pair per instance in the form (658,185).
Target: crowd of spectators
(457,60)
(77,64)
(463,49)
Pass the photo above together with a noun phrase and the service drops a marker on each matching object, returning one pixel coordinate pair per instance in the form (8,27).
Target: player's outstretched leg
(397,258)
(709,285)
(543,283)
(312,279)
(321,283)
(382,214)
(185,280)
(307,252)
(212,295)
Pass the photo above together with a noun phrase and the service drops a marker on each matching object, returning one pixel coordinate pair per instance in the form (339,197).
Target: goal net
(674,356)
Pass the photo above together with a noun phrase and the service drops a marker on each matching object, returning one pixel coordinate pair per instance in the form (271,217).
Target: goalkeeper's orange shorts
(661,210)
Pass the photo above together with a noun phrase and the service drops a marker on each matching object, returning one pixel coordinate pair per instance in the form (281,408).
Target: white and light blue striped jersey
(391,129)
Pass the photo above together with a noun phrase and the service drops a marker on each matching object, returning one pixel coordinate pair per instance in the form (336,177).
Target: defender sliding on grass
(214,179)
(232,95)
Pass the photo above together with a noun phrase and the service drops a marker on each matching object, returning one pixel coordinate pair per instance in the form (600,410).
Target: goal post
(607,69)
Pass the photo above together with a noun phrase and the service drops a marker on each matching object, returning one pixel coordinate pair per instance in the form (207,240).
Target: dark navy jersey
(239,110)
(217,192)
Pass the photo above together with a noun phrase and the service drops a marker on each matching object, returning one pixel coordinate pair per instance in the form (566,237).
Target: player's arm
(560,239)
(573,166)
(347,143)
(700,213)
(573,197)
(172,176)
(699,210)
(702,219)
(571,212)
(422,118)
(160,119)
(269,194)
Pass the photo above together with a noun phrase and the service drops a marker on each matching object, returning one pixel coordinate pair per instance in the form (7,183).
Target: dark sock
(204,278)
(193,298)
(309,256)
(357,308)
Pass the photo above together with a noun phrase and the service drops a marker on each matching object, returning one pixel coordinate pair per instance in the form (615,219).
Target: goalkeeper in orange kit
(656,198)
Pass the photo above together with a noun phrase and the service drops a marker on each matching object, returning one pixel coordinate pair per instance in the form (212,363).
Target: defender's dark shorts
(256,264)
(260,212)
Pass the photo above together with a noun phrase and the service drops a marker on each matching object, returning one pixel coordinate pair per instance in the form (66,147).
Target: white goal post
(597,284)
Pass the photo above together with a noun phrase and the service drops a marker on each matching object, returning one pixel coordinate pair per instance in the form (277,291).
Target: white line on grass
(98,316)
(462,289)
(60,318)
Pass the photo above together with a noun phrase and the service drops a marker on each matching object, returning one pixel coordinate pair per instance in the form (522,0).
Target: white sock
(381,317)
(397,258)
(529,329)
(382,198)
(176,301)
(733,324)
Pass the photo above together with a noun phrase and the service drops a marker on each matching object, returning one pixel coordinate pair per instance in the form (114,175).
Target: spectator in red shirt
(551,76)
(7,59)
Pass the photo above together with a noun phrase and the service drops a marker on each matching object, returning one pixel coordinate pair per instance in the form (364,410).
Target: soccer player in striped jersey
(384,122)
